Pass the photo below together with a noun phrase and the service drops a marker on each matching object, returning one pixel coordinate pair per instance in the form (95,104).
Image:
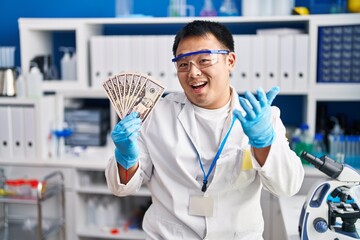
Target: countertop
(290,212)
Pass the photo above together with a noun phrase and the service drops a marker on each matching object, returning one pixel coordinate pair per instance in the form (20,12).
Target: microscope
(331,208)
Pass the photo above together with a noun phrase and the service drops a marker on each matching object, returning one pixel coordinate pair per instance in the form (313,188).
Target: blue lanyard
(222,144)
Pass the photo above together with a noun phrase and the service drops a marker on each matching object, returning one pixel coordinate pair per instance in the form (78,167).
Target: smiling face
(208,87)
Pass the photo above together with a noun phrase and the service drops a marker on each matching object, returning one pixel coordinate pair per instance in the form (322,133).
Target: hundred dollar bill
(111,96)
(128,83)
(117,93)
(140,84)
(121,90)
(147,98)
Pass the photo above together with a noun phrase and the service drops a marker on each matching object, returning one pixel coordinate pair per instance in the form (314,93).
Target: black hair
(200,28)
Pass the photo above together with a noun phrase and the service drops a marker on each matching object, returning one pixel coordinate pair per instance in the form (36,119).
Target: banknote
(133,92)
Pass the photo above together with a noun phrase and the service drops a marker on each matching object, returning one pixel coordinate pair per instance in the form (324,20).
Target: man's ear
(231,59)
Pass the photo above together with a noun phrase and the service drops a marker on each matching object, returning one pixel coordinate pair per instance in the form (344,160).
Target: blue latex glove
(257,121)
(124,136)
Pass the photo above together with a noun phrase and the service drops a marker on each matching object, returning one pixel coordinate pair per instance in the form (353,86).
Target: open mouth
(199,85)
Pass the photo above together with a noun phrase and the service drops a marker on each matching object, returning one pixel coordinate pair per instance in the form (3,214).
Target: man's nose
(193,70)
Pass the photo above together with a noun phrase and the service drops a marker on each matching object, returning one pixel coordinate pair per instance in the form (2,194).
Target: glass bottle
(319,148)
(228,8)
(208,9)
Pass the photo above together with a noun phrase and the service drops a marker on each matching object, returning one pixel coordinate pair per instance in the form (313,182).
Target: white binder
(287,62)
(17,131)
(97,61)
(258,62)
(150,56)
(5,133)
(271,61)
(123,43)
(301,61)
(174,84)
(110,55)
(136,56)
(242,68)
(167,72)
(30,131)
(235,78)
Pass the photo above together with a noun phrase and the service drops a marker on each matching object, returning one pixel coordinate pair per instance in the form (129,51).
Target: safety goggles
(201,59)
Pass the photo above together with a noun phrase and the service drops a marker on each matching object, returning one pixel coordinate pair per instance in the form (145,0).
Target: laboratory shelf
(16,229)
(105,233)
(94,189)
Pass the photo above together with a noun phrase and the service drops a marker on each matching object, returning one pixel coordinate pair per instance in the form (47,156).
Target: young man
(205,154)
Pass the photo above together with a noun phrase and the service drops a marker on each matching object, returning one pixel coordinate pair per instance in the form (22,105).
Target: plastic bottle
(228,8)
(295,138)
(319,148)
(20,85)
(306,141)
(208,9)
(336,141)
(90,211)
(73,66)
(67,64)
(33,81)
(100,213)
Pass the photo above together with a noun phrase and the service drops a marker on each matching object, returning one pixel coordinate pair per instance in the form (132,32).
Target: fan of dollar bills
(133,92)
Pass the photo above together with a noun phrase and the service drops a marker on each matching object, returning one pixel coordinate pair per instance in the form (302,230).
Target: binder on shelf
(287,62)
(123,43)
(150,55)
(272,61)
(163,71)
(97,61)
(166,73)
(242,70)
(301,64)
(174,82)
(258,62)
(110,56)
(17,132)
(5,132)
(29,131)
(136,56)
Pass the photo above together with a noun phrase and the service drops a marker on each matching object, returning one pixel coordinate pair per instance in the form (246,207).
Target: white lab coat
(169,164)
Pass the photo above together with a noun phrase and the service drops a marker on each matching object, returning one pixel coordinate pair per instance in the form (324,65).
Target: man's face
(207,87)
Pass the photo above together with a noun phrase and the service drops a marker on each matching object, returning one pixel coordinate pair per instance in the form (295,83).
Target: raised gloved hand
(124,136)
(257,121)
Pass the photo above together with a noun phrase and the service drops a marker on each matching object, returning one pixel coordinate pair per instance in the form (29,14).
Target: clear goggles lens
(201,59)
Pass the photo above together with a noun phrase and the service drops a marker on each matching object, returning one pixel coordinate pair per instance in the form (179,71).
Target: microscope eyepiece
(325,164)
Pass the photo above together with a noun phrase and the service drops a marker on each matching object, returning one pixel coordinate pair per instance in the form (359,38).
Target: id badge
(201,206)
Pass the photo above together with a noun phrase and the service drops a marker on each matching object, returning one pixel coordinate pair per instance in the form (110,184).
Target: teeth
(198,84)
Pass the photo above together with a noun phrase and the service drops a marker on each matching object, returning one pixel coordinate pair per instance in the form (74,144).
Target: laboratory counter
(290,212)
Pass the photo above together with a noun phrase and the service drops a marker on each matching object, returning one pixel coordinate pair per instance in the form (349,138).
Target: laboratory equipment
(228,8)
(179,8)
(123,8)
(208,9)
(331,208)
